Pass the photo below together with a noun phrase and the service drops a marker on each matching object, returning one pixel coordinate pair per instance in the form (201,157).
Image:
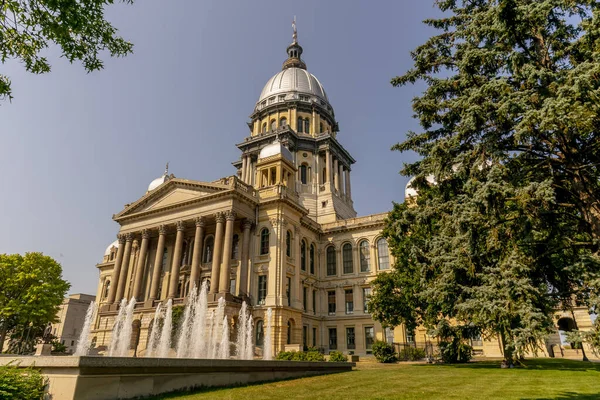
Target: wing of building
(281,233)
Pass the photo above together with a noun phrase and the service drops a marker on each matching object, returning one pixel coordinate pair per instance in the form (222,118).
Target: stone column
(327,166)
(226,269)
(216,261)
(314,122)
(156,272)
(336,178)
(139,271)
(176,260)
(114,280)
(318,170)
(197,254)
(341,179)
(124,268)
(244,168)
(296,290)
(244,258)
(348,192)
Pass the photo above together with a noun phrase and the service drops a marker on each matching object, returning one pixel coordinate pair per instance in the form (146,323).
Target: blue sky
(76,147)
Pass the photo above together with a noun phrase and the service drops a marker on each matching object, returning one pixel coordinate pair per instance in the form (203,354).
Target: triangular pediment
(172,193)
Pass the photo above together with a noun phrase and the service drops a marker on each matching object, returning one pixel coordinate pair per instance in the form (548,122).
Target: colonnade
(221,258)
(338,174)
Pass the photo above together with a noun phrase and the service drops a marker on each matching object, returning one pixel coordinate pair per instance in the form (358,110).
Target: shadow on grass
(567,396)
(550,364)
(213,389)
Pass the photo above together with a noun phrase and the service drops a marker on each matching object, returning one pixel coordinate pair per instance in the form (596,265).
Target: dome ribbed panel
(293,80)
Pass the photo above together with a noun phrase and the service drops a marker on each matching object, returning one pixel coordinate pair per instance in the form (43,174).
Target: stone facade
(281,233)
(71,316)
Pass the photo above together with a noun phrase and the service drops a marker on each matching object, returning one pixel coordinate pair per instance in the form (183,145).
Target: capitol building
(281,233)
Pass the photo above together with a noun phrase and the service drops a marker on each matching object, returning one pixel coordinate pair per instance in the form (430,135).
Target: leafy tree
(506,226)
(32,290)
(28,27)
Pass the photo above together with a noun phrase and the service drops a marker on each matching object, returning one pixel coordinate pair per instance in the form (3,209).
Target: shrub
(411,354)
(337,356)
(314,356)
(300,356)
(21,383)
(58,347)
(285,355)
(455,352)
(384,352)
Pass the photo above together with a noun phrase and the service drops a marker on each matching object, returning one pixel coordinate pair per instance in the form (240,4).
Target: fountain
(164,343)
(83,344)
(267,350)
(183,343)
(155,334)
(224,345)
(249,354)
(117,327)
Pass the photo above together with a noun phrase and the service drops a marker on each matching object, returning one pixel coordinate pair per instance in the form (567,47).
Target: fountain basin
(99,378)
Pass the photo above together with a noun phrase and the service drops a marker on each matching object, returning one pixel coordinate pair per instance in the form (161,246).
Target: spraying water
(268,351)
(155,334)
(117,327)
(83,344)
(240,342)
(249,354)
(187,325)
(164,344)
(224,345)
(199,331)
(124,343)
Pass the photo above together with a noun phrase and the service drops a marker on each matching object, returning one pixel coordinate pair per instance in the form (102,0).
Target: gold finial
(295,34)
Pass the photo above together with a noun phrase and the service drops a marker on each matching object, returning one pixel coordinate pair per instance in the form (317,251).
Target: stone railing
(355,222)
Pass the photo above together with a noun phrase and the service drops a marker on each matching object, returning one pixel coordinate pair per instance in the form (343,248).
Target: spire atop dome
(294,51)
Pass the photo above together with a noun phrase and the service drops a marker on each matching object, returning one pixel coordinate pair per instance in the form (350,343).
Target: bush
(337,356)
(411,354)
(455,352)
(384,352)
(58,347)
(300,356)
(21,383)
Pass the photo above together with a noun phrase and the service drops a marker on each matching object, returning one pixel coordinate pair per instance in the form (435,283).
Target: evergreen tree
(506,225)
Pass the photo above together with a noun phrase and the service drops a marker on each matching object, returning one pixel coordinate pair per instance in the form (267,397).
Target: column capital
(247,224)
(297,230)
(230,215)
(121,238)
(128,237)
(145,234)
(162,230)
(200,222)
(180,225)
(219,217)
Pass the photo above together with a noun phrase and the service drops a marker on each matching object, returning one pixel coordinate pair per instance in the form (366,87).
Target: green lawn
(539,379)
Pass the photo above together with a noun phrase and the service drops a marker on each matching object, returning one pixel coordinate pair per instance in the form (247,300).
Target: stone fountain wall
(99,378)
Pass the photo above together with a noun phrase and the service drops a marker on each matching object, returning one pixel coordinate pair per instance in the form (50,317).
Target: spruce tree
(506,225)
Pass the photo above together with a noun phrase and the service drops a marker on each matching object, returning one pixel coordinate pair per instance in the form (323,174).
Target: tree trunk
(507,351)
(2,337)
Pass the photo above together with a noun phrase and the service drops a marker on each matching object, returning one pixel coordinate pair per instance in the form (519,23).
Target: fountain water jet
(83,344)
(164,344)
(155,334)
(267,350)
(199,332)
(240,342)
(124,343)
(117,327)
(183,343)
(249,354)
(224,345)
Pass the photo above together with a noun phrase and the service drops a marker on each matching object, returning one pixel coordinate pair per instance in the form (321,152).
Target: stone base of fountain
(99,378)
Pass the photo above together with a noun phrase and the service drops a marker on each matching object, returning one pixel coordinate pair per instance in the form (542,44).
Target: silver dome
(274,149)
(292,81)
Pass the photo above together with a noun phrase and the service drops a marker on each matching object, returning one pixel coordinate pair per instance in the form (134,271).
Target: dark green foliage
(21,383)
(58,347)
(411,354)
(506,226)
(77,27)
(300,356)
(337,356)
(384,352)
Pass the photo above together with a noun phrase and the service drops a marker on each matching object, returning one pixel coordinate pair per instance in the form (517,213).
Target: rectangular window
(232,286)
(314,337)
(331,302)
(349,297)
(347,259)
(332,339)
(305,336)
(366,298)
(350,344)
(312,259)
(262,289)
(389,335)
(410,336)
(287,291)
(369,337)
(331,268)
(314,296)
(304,298)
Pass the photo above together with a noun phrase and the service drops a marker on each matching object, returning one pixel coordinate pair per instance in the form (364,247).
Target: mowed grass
(538,379)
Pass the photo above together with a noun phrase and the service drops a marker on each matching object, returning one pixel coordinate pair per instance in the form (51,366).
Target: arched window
(312,259)
(264,241)
(363,251)
(106,289)
(383,254)
(283,121)
(331,267)
(324,175)
(303,255)
(260,334)
(289,332)
(288,244)
(300,125)
(303,174)
(235,247)
(209,248)
(264,127)
(273,125)
(347,258)
(306,125)
(321,127)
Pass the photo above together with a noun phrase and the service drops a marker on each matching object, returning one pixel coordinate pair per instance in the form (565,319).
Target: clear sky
(76,147)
